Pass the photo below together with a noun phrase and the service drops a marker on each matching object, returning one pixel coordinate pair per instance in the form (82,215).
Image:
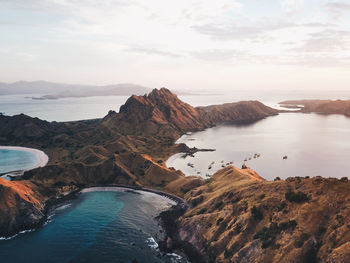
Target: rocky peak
(163,93)
(162,112)
(161,106)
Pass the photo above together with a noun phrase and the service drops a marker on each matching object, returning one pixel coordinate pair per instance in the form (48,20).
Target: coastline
(42,158)
(168,213)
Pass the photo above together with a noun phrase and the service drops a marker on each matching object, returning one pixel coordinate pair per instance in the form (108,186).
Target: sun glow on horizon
(185,44)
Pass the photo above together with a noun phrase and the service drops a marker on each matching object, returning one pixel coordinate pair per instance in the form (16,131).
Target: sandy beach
(41,156)
(161,201)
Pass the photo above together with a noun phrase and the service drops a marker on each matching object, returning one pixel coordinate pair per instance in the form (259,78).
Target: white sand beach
(41,156)
(161,201)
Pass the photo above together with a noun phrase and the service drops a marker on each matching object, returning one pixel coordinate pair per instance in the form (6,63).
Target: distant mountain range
(61,90)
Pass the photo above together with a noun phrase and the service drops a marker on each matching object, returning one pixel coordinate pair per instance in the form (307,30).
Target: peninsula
(234,216)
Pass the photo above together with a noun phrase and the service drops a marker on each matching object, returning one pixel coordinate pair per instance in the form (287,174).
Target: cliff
(161,112)
(237,217)
(158,113)
(21,207)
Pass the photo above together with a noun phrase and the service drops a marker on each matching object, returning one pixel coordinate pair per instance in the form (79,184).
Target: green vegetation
(202,211)
(282,206)
(256,213)
(219,221)
(296,197)
(238,228)
(219,205)
(268,234)
(300,241)
(227,254)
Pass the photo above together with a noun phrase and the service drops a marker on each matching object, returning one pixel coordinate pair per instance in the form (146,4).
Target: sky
(183,44)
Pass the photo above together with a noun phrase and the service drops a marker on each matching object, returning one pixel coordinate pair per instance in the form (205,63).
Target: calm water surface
(70,109)
(14,160)
(315,145)
(99,226)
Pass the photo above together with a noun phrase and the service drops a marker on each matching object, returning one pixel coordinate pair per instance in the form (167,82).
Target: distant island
(54,91)
(319,106)
(61,90)
(233,216)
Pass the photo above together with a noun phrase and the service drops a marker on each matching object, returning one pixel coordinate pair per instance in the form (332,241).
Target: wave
(152,243)
(19,233)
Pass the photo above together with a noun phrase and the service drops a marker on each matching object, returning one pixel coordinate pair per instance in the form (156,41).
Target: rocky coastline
(233,215)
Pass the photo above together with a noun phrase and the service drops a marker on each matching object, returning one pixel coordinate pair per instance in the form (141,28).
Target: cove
(315,145)
(19,159)
(98,226)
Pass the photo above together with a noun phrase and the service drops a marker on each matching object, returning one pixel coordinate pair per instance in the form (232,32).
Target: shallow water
(314,144)
(14,160)
(99,226)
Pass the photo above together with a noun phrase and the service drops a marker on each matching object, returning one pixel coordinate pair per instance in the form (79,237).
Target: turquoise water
(314,144)
(14,160)
(103,226)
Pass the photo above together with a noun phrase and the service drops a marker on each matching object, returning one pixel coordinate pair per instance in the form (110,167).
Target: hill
(321,106)
(235,216)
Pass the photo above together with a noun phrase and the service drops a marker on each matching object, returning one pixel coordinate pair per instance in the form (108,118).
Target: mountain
(162,112)
(129,147)
(243,111)
(61,90)
(234,216)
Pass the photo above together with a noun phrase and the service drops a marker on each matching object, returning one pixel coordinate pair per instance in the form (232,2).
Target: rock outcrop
(162,113)
(158,113)
(235,216)
(238,217)
(21,207)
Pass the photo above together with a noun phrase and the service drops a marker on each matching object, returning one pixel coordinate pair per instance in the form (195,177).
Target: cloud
(150,51)
(317,61)
(219,55)
(229,32)
(257,31)
(326,41)
(337,9)
(292,5)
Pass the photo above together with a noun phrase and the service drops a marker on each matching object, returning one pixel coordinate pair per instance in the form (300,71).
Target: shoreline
(42,158)
(167,216)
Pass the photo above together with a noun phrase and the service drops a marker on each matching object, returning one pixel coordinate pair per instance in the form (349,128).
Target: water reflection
(314,145)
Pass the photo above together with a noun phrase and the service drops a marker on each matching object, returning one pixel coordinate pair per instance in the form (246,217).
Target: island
(319,106)
(233,216)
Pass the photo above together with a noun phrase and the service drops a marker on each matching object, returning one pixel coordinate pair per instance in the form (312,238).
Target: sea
(286,145)
(15,160)
(112,226)
(97,226)
(312,144)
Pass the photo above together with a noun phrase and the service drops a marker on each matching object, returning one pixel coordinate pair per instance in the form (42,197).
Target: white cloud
(292,5)
(117,39)
(337,9)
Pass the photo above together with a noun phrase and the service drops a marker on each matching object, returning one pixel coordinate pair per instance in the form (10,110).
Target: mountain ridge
(234,216)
